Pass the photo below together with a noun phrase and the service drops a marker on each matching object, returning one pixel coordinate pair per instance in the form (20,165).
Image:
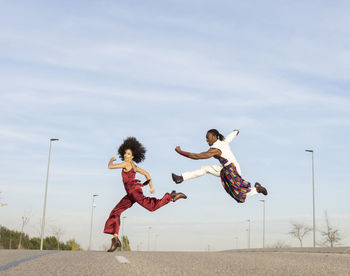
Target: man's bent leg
(213,169)
(252,191)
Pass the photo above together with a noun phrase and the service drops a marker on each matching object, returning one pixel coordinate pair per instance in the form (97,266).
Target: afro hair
(138,150)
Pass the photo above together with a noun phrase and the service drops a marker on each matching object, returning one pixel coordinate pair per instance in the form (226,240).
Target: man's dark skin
(211,139)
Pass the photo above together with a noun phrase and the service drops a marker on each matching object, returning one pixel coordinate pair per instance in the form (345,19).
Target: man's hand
(236,130)
(178,149)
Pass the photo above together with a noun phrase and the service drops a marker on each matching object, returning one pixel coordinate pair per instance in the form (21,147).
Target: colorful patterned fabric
(232,182)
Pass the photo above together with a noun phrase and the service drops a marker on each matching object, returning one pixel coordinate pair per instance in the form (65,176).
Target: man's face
(211,139)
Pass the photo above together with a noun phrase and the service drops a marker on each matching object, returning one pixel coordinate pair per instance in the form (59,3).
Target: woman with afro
(132,151)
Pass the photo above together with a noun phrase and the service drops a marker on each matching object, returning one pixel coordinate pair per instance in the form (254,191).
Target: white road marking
(122,259)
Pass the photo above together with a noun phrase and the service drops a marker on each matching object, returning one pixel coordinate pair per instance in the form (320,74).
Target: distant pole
(313,198)
(155,242)
(44,209)
(263,224)
(123,225)
(149,233)
(92,217)
(248,233)
(122,237)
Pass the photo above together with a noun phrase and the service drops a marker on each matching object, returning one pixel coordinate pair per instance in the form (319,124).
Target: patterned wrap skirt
(233,184)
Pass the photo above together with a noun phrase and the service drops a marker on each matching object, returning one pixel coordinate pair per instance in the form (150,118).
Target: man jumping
(229,170)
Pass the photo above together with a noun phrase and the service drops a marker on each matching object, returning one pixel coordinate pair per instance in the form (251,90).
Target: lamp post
(248,233)
(149,233)
(122,236)
(92,217)
(263,200)
(313,198)
(123,225)
(155,242)
(45,197)
(236,238)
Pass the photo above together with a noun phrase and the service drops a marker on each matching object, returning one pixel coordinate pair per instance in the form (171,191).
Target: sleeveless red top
(130,183)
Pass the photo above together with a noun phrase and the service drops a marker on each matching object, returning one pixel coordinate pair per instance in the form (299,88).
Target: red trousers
(150,203)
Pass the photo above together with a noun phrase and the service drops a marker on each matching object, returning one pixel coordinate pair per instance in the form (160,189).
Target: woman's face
(211,138)
(128,155)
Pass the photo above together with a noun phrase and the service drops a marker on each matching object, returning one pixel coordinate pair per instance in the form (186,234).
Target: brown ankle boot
(115,244)
(175,196)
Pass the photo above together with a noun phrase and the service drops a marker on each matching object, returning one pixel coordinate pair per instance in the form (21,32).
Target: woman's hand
(152,190)
(113,159)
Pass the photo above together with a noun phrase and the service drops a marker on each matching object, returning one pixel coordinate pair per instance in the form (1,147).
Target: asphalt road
(27,262)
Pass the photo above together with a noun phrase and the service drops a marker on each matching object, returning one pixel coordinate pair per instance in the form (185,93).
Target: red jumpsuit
(134,194)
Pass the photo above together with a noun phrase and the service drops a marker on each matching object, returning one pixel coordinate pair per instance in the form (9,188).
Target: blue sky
(92,73)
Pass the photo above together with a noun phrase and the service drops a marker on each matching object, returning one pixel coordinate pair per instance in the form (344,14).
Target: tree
(331,237)
(125,244)
(2,204)
(73,245)
(57,232)
(25,220)
(9,239)
(299,231)
(280,244)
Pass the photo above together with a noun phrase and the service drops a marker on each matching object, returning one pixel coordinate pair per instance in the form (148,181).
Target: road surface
(33,262)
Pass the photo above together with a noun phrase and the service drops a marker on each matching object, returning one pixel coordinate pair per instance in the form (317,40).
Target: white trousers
(214,170)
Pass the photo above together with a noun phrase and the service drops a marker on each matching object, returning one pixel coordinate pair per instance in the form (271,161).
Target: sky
(92,73)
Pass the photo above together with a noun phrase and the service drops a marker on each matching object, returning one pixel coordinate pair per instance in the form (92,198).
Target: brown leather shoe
(175,196)
(260,189)
(177,178)
(115,244)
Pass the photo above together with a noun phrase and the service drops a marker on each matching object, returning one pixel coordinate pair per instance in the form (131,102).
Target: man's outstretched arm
(231,136)
(203,155)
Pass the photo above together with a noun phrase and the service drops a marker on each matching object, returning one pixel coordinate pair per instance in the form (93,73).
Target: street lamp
(313,197)
(92,216)
(263,200)
(149,232)
(44,209)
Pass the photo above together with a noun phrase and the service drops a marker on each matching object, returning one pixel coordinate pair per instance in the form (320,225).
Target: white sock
(252,192)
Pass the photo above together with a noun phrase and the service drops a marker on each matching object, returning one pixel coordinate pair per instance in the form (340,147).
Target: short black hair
(138,150)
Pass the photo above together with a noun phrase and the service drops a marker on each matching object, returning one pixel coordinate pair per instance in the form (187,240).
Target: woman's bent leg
(150,203)
(113,222)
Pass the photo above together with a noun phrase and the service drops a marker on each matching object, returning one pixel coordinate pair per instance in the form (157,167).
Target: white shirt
(226,152)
